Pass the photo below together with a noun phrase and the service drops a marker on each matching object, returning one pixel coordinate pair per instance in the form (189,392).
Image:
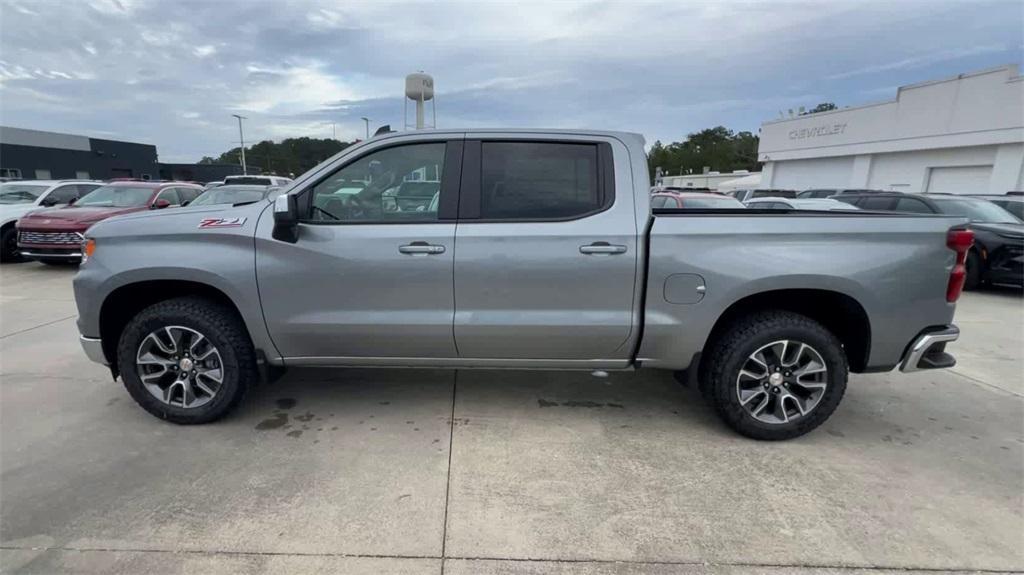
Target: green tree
(822,107)
(289,156)
(718,149)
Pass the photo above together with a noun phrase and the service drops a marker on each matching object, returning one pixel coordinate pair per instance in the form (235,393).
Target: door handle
(602,248)
(420,248)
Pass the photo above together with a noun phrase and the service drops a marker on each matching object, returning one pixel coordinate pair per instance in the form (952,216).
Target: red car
(55,235)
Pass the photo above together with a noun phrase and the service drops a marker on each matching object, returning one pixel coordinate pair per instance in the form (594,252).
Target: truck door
(370,275)
(546,254)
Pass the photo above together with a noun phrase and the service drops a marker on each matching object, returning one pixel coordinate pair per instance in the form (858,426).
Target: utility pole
(367,120)
(241,140)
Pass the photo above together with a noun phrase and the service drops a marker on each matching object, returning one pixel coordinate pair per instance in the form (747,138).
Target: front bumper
(93,347)
(928,350)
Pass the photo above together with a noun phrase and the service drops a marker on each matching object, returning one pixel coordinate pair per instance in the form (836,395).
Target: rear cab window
(535,180)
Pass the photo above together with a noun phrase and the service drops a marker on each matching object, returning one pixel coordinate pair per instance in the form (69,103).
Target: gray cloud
(171,73)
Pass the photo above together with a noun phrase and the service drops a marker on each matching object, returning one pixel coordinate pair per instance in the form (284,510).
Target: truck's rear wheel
(776,375)
(187,360)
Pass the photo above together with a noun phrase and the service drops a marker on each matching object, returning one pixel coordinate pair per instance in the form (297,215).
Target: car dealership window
(397,184)
(534,180)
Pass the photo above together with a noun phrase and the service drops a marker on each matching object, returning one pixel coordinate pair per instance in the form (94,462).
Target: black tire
(226,332)
(974,265)
(9,246)
(743,338)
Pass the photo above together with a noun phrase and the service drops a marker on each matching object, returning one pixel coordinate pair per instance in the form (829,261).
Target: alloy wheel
(180,366)
(782,382)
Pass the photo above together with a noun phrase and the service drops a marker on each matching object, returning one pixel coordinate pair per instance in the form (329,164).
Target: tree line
(289,156)
(718,149)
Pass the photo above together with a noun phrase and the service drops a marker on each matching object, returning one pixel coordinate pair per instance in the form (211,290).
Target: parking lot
(410,471)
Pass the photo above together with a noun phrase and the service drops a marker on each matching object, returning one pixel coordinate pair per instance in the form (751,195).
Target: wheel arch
(839,313)
(126,301)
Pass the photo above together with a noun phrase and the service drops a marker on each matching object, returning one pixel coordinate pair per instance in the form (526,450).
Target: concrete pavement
(417,471)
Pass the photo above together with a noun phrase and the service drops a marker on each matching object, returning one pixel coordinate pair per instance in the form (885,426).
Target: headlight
(88,248)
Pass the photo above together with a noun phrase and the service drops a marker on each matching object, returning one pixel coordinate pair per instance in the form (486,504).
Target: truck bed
(703,262)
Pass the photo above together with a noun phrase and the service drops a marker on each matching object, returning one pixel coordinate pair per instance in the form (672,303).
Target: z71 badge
(222,223)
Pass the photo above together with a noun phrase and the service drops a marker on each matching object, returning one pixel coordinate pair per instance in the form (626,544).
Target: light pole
(241,140)
(367,120)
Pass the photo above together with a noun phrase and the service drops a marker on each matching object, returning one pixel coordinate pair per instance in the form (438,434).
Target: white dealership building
(957,135)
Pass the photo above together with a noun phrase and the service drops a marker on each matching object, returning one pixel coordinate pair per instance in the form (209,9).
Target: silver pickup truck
(515,249)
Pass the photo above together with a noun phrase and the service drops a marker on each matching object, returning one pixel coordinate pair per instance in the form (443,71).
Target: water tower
(419,87)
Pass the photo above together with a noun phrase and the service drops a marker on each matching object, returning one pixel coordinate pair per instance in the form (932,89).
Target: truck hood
(189,220)
(76,214)
(1015,231)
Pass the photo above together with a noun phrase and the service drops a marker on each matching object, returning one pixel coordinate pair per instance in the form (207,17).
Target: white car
(21,197)
(819,204)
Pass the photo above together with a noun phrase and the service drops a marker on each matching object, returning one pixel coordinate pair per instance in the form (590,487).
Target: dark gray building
(38,155)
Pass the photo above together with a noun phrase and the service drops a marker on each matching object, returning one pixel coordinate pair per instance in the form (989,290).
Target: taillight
(959,241)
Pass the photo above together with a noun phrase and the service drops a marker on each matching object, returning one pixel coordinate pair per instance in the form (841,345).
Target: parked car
(234,195)
(1011,203)
(798,204)
(257,181)
(998,252)
(744,195)
(20,198)
(690,200)
(560,264)
(55,235)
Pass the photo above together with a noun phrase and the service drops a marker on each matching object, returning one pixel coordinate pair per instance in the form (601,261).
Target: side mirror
(72,201)
(286,219)
(185,203)
(48,202)
(161,204)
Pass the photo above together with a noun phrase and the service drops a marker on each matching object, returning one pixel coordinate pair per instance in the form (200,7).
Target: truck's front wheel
(776,375)
(187,360)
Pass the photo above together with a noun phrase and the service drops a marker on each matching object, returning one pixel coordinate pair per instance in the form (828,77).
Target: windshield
(975,210)
(11,193)
(117,197)
(231,195)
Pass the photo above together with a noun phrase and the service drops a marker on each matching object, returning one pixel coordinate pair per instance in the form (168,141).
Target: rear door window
(539,180)
(912,206)
(875,203)
(63,194)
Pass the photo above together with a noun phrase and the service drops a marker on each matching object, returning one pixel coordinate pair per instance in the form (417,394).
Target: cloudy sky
(171,73)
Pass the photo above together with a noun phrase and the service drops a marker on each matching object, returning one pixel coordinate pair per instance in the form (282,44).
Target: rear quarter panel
(897,267)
